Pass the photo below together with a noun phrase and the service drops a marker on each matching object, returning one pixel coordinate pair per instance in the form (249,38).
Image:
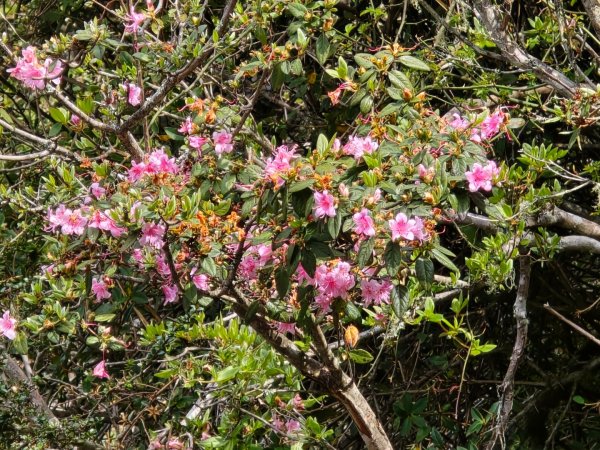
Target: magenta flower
(459,123)
(402,227)
(100,370)
(280,164)
(103,221)
(75,120)
(97,190)
(222,141)
(162,267)
(160,163)
(135,20)
(363,223)
(171,293)
(100,290)
(324,205)
(136,172)
(480,177)
(491,124)
(201,282)
(8,326)
(152,235)
(249,266)
(134,94)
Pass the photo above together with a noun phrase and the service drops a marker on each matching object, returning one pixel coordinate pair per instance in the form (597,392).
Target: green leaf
(392,256)
(308,261)
(297,10)
(353,313)
(579,399)
(400,299)
(282,281)
(104,317)
(365,252)
(173,134)
(222,208)
(59,115)
(323,49)
(334,225)
(360,356)
(167,373)
(400,80)
(364,60)
(444,260)
(424,269)
(366,104)
(342,68)
(19,344)
(300,185)
(414,63)
(226,374)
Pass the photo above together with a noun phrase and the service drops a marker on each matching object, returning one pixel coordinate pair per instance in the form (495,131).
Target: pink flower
(100,290)
(8,326)
(100,370)
(175,444)
(137,255)
(171,293)
(324,205)
(201,282)
(285,328)
(292,426)
(303,277)
(97,190)
(197,142)
(334,282)
(363,223)
(222,141)
(152,235)
(402,227)
(136,172)
(459,123)
(419,230)
(298,403)
(135,21)
(480,177)
(159,162)
(102,221)
(69,221)
(491,124)
(75,120)
(358,146)
(280,164)
(249,266)
(373,291)
(426,174)
(187,126)
(162,267)
(134,94)
(33,74)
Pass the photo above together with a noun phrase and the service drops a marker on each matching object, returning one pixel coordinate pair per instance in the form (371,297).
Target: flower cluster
(486,130)
(135,21)
(363,223)
(8,326)
(410,229)
(156,163)
(377,292)
(75,221)
(324,205)
(331,281)
(280,164)
(481,177)
(358,146)
(32,73)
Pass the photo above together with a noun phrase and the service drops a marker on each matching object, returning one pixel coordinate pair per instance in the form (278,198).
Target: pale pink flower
(419,230)
(324,205)
(138,255)
(343,190)
(249,266)
(357,146)
(103,221)
(280,163)
(298,403)
(171,293)
(303,277)
(459,123)
(33,74)
(97,190)
(134,94)
(8,326)
(334,282)
(152,235)
(159,162)
(426,174)
(363,223)
(286,327)
(100,370)
(175,444)
(201,282)
(187,126)
(74,222)
(100,289)
(137,171)
(480,177)
(292,426)
(135,20)
(75,120)
(162,267)
(402,227)
(377,292)
(222,141)
(197,142)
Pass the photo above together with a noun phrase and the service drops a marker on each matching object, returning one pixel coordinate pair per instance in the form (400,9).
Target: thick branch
(592,7)
(507,386)
(493,20)
(557,217)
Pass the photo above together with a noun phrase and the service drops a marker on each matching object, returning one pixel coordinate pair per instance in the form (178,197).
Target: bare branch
(573,325)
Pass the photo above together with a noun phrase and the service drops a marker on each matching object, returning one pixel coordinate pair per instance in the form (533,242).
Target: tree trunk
(364,417)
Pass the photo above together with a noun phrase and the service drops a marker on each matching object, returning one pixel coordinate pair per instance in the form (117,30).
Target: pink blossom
(73,222)
(100,289)
(363,223)
(480,177)
(159,162)
(334,282)
(100,370)
(292,426)
(175,444)
(97,190)
(197,142)
(286,327)
(373,291)
(426,174)
(491,124)
(137,171)
(201,282)
(459,123)
(187,126)
(419,230)
(171,293)
(324,204)
(249,267)
(298,403)
(343,190)
(33,74)
(134,94)
(152,235)
(402,227)
(278,424)
(222,141)
(8,326)
(303,277)
(135,21)
(103,221)
(162,267)
(280,163)
(137,255)
(75,120)
(358,146)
